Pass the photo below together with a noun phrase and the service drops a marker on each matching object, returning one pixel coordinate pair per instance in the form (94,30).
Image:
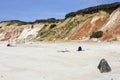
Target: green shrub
(97,34)
(105,7)
(21,23)
(52,26)
(32,27)
(43,34)
(18,22)
(50,20)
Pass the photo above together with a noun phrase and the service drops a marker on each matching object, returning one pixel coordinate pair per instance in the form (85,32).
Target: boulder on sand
(8,45)
(79,48)
(104,66)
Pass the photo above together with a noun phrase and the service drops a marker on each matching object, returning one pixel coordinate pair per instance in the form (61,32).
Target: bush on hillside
(105,7)
(32,27)
(50,20)
(19,23)
(97,34)
(52,26)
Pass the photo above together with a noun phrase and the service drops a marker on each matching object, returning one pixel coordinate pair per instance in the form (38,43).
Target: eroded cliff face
(112,27)
(91,25)
(19,33)
(79,27)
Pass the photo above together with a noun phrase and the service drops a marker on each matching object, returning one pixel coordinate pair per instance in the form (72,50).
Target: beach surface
(59,61)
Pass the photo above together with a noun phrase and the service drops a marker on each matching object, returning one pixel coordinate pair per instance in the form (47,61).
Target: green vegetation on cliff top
(105,7)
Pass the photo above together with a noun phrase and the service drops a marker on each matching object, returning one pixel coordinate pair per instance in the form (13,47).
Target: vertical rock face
(104,66)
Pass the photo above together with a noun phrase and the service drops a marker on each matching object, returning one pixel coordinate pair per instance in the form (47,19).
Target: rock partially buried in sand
(104,66)
(79,48)
(8,45)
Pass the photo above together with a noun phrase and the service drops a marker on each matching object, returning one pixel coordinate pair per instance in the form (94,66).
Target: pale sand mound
(43,61)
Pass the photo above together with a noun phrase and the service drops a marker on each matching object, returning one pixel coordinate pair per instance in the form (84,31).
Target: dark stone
(104,66)
(79,48)
(8,45)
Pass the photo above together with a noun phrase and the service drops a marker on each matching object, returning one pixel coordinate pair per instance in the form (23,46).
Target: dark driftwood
(104,66)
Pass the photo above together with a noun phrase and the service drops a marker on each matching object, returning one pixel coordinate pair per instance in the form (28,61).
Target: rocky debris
(104,66)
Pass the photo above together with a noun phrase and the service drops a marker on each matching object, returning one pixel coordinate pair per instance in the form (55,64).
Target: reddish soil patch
(87,28)
(13,33)
(112,34)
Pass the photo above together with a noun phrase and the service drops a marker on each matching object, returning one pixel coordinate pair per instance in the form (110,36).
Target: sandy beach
(59,61)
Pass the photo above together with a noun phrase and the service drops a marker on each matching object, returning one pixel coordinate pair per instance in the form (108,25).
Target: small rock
(8,45)
(104,66)
(79,48)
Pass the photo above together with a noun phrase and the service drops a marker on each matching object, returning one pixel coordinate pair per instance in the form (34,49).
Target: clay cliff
(99,23)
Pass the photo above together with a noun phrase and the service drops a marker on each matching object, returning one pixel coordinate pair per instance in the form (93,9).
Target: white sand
(44,61)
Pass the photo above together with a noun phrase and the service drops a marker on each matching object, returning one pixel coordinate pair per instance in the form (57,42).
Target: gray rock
(104,66)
